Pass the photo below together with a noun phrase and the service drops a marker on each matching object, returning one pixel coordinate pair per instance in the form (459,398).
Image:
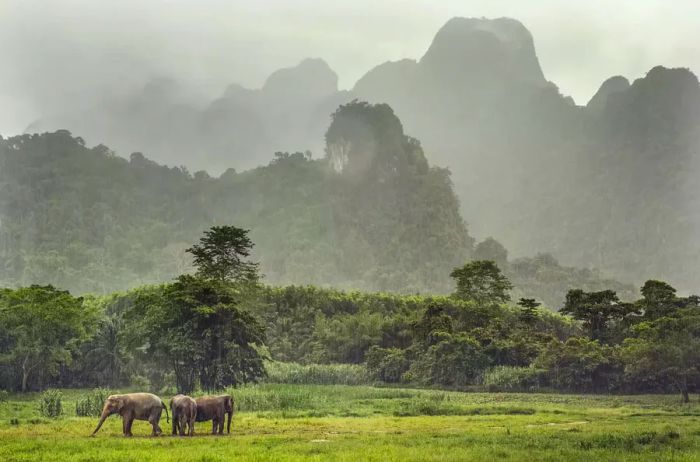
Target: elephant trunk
(105,414)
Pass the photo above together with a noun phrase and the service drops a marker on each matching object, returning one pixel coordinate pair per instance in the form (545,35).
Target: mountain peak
(479,48)
(311,78)
(615,84)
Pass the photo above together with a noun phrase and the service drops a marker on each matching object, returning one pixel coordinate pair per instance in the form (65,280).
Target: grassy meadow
(338,422)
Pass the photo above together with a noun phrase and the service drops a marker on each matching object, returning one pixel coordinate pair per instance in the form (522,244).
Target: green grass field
(307,422)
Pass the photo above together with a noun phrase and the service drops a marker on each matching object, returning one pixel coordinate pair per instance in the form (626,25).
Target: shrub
(3,396)
(387,364)
(579,364)
(14,421)
(50,404)
(510,378)
(316,374)
(91,404)
(452,360)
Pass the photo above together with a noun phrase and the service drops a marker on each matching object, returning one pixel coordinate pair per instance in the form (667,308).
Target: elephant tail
(167,418)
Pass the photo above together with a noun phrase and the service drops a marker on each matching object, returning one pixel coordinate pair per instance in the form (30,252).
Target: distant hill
(86,219)
(372,214)
(610,185)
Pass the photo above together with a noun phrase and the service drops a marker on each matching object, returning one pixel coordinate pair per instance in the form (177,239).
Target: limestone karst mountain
(240,129)
(605,185)
(609,185)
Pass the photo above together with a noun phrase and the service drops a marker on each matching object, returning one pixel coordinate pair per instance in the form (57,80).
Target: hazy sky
(74,52)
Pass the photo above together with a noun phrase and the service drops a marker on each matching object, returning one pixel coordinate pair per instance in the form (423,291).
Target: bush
(510,378)
(452,361)
(50,404)
(91,404)
(3,396)
(316,374)
(387,364)
(579,364)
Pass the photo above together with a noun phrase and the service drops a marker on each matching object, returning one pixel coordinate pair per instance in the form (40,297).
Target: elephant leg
(221,425)
(129,423)
(175,424)
(156,417)
(191,427)
(154,423)
(213,426)
(124,431)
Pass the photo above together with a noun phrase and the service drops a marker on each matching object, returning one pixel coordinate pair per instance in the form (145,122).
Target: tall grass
(91,403)
(317,374)
(512,379)
(51,403)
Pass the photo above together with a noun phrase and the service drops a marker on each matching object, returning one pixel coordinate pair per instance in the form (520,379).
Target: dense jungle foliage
(216,327)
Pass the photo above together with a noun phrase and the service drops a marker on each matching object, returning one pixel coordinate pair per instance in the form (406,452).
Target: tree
(109,354)
(199,328)
(387,364)
(434,319)
(578,364)
(452,360)
(45,326)
(528,311)
(222,255)
(482,282)
(597,310)
(668,347)
(659,299)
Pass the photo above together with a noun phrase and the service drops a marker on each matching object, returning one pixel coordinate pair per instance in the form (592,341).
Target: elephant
(215,408)
(184,411)
(140,406)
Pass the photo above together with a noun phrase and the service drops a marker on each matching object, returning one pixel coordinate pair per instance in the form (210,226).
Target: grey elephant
(139,406)
(184,412)
(215,408)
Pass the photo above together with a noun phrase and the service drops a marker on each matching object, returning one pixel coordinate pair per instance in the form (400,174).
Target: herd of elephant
(184,409)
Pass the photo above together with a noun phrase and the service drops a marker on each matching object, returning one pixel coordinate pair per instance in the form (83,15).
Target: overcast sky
(73,52)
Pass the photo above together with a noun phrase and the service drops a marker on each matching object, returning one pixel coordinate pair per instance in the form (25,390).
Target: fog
(502,103)
(76,52)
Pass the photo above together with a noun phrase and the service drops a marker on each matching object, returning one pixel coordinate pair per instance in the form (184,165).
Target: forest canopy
(371,214)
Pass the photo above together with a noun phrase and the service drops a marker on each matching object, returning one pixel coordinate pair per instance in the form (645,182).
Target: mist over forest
(466,152)
(368,230)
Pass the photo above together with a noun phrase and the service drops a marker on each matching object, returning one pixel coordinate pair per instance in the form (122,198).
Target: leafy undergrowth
(294,422)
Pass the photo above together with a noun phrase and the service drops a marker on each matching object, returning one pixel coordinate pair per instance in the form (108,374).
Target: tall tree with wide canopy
(222,253)
(43,327)
(597,310)
(482,282)
(668,347)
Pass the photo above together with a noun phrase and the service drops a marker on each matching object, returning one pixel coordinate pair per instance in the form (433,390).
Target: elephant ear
(121,402)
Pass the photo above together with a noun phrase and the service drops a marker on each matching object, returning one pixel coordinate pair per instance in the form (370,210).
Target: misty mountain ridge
(607,185)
